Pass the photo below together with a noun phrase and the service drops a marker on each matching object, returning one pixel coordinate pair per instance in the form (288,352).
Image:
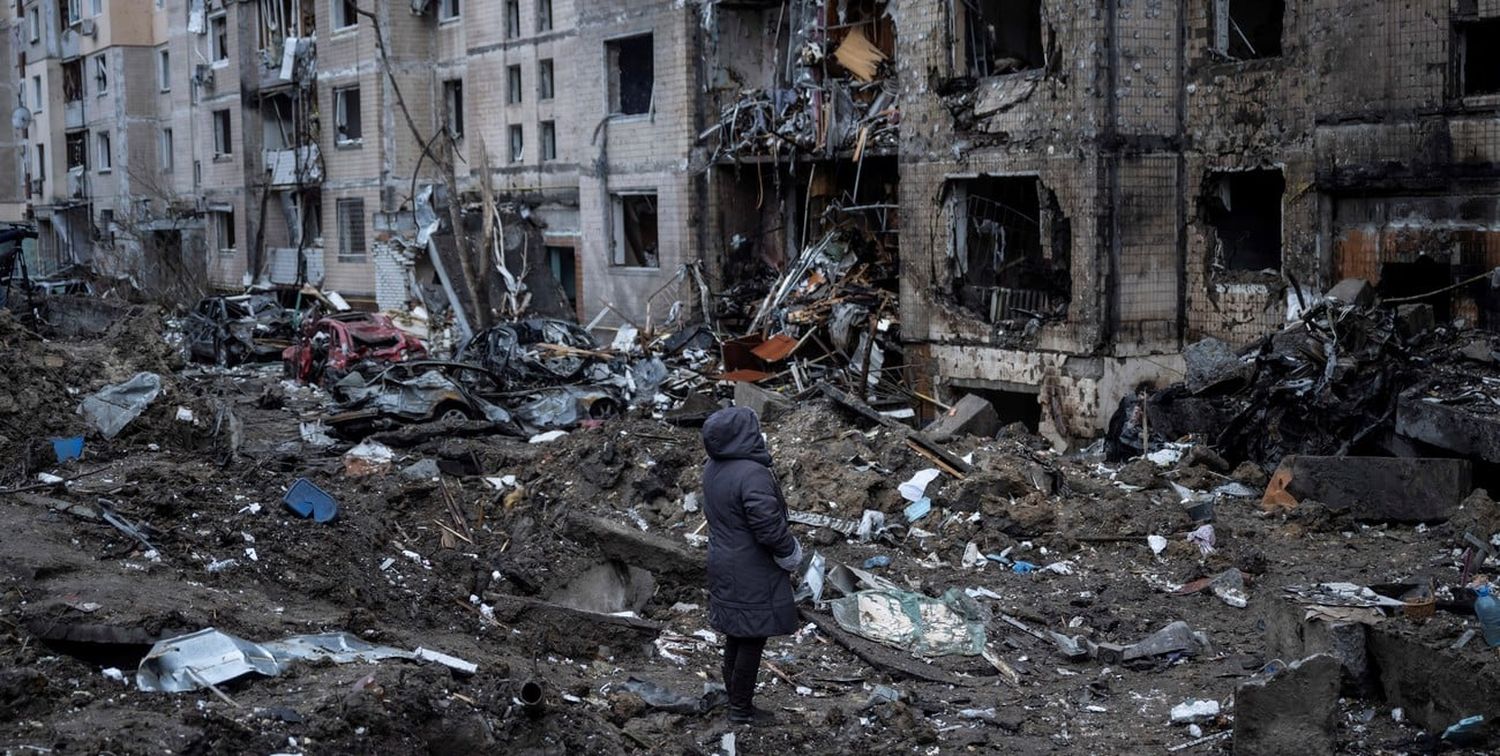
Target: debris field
(227,573)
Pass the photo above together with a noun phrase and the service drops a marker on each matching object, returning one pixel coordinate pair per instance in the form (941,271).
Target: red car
(332,344)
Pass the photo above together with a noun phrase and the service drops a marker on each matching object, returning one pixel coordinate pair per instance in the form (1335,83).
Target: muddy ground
(78,599)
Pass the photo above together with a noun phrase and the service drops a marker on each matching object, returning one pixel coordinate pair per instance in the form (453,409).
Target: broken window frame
(224,231)
(555,255)
(164,69)
(513,83)
(218,39)
(105,158)
(546,87)
(34,23)
(450,10)
(648,257)
(547,131)
(1222,184)
(38,95)
(966,61)
(1462,30)
(516,137)
(101,74)
(343,111)
(76,150)
(72,80)
(453,106)
(544,15)
(616,60)
(223,131)
(512,19)
(164,147)
(349,218)
(1225,31)
(1039,217)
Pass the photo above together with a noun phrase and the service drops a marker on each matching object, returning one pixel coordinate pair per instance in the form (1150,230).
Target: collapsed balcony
(1009,250)
(829,88)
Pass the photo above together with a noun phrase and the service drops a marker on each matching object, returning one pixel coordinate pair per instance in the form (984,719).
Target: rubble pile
(220,563)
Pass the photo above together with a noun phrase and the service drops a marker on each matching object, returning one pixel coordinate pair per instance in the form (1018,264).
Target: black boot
(753,716)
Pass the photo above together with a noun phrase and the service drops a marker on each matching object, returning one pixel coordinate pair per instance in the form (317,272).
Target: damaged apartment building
(1038,201)
(280,142)
(1088,187)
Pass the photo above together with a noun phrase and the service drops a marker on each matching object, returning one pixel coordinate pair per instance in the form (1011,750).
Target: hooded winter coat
(749,595)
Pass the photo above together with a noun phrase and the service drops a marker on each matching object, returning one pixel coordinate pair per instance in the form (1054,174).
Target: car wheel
(453,415)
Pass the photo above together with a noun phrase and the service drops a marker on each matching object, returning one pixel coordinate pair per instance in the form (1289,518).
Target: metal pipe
(531,697)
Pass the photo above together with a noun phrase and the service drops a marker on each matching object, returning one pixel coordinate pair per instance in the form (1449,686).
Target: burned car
(377,397)
(231,330)
(533,350)
(333,344)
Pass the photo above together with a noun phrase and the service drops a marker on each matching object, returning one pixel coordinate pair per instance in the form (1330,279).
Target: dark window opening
(517,144)
(1000,36)
(1412,279)
(1010,249)
(549,140)
(544,15)
(72,80)
(345,14)
(1479,57)
(561,262)
(635,238)
(453,103)
(513,84)
(544,79)
(632,73)
(1244,209)
(78,150)
(1011,406)
(1248,29)
(512,18)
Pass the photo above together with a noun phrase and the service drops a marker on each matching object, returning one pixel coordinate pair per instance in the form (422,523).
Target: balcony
(71,43)
(73,114)
(294,167)
(77,183)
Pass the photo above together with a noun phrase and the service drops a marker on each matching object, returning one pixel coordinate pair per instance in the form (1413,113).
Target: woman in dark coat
(750,552)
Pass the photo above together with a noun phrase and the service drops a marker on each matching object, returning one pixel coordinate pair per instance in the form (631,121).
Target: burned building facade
(1088,187)
(1063,193)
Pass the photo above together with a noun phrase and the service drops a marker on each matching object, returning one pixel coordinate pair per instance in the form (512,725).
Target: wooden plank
(956,467)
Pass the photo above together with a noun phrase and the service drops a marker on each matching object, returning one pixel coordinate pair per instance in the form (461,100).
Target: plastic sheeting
(950,625)
(113,407)
(209,657)
(658,697)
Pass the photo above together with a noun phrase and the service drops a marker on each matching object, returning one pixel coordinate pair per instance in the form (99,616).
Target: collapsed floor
(517,557)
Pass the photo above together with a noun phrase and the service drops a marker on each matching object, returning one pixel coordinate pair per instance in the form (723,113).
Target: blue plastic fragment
(307,500)
(1463,727)
(67,448)
(877,561)
(1023,568)
(918,509)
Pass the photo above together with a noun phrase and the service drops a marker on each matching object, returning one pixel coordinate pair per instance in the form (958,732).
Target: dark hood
(734,433)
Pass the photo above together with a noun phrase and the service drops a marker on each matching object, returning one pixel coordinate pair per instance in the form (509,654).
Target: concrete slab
(1385,489)
(1355,291)
(1450,428)
(768,405)
(971,416)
